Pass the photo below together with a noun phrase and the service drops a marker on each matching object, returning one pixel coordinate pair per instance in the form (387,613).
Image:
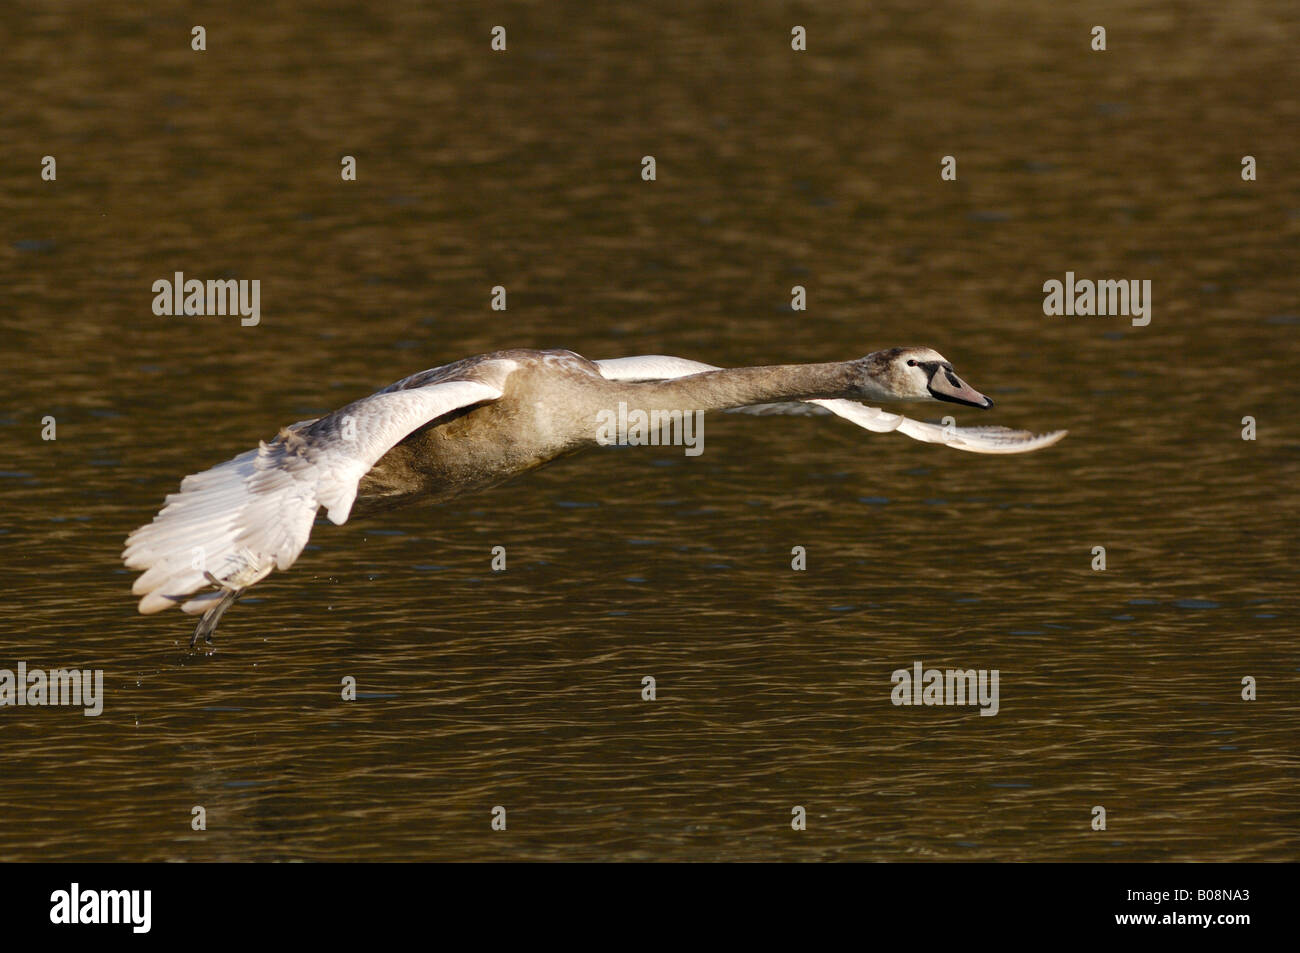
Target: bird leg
(208,624)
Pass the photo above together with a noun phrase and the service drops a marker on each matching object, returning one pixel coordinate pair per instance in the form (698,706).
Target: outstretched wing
(973,439)
(231,525)
(651,367)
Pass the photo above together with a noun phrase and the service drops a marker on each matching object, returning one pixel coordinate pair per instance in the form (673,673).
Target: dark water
(1119,689)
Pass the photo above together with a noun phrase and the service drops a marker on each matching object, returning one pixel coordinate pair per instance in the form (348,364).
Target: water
(475,689)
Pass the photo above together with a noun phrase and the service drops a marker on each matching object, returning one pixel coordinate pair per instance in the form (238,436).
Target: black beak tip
(988,402)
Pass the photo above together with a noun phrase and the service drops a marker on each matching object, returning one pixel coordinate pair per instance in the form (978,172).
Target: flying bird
(476,423)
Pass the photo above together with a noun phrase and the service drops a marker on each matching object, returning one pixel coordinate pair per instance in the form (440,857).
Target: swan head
(916,373)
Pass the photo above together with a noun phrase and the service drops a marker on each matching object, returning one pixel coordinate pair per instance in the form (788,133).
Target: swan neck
(742,386)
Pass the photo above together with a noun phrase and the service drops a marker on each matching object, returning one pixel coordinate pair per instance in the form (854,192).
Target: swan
(478,422)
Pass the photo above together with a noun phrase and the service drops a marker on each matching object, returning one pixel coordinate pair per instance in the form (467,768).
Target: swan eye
(911,363)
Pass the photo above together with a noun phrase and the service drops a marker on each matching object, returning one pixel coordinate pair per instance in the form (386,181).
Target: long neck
(741,386)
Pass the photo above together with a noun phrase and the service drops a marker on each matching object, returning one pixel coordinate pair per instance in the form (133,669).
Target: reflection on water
(1118,688)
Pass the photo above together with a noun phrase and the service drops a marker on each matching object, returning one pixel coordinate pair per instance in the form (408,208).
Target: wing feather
(236,522)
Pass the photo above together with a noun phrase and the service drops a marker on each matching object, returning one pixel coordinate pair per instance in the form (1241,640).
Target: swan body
(478,422)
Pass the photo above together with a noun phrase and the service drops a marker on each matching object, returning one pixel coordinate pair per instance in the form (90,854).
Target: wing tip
(1022,441)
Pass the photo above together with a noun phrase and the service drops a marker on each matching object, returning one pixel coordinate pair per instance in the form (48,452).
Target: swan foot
(208,624)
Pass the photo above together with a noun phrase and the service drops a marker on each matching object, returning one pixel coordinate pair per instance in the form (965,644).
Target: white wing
(236,522)
(650,367)
(973,439)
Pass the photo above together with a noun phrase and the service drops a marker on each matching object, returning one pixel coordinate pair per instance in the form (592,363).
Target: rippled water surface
(1119,689)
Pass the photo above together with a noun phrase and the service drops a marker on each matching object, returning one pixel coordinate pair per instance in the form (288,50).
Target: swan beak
(945,385)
